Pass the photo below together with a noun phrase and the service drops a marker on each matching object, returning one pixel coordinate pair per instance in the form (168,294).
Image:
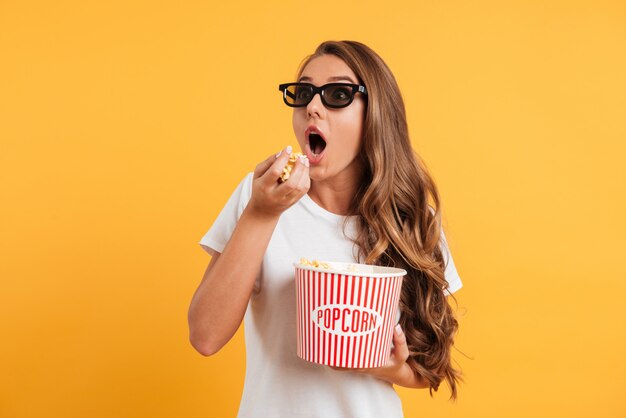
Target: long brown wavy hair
(399,216)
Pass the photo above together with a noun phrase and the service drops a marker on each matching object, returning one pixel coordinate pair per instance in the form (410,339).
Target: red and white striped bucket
(345,317)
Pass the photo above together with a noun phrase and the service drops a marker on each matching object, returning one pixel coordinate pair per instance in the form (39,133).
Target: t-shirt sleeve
(222,229)
(452,276)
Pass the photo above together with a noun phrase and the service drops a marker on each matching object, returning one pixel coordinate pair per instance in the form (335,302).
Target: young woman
(360,194)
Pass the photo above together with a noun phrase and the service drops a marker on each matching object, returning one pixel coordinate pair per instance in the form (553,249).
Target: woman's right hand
(270,198)
(220,302)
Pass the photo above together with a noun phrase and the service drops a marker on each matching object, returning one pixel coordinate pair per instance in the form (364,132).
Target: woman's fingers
(263,167)
(299,181)
(270,169)
(272,196)
(400,352)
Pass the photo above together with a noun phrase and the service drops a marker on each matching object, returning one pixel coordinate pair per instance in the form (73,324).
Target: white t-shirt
(278,383)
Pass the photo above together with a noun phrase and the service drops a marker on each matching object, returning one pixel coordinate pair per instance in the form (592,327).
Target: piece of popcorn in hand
(290,165)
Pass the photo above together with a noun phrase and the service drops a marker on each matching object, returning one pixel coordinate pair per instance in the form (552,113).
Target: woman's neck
(336,195)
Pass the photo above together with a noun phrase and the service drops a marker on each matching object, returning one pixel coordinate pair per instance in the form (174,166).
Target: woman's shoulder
(247,183)
(244,188)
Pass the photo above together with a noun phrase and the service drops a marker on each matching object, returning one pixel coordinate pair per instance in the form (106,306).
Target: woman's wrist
(406,377)
(257,213)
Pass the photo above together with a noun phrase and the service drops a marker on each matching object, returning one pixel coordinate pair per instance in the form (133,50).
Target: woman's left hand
(397,370)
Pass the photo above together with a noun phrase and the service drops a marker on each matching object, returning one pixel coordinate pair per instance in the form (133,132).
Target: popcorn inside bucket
(315,263)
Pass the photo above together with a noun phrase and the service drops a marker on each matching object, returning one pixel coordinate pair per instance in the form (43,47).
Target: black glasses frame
(356,88)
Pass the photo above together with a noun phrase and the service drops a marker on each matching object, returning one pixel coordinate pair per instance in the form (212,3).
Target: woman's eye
(341,94)
(303,93)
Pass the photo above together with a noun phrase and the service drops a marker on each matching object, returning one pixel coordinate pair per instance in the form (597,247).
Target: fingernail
(289,149)
(278,153)
(304,160)
(398,329)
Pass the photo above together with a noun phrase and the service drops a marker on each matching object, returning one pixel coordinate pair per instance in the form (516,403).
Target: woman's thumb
(400,350)
(264,166)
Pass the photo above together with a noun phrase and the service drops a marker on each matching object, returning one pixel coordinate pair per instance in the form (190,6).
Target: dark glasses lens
(333,95)
(299,94)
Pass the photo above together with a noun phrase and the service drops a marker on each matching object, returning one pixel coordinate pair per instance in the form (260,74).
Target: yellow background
(125,126)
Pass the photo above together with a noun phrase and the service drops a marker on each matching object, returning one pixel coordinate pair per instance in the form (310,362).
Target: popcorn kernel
(314,263)
(290,165)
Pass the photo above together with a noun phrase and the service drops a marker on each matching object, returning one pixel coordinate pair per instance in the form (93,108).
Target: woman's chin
(317,173)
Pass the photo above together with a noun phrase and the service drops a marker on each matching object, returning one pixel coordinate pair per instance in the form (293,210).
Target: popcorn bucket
(346,313)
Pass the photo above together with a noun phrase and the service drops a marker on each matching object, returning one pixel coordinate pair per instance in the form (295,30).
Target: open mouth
(317,143)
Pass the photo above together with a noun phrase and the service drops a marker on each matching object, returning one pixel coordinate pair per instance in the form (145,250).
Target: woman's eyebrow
(336,78)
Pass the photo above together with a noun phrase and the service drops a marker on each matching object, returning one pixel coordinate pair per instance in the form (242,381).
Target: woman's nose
(315,106)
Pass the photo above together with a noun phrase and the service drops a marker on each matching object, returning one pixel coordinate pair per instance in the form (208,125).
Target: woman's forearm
(220,302)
